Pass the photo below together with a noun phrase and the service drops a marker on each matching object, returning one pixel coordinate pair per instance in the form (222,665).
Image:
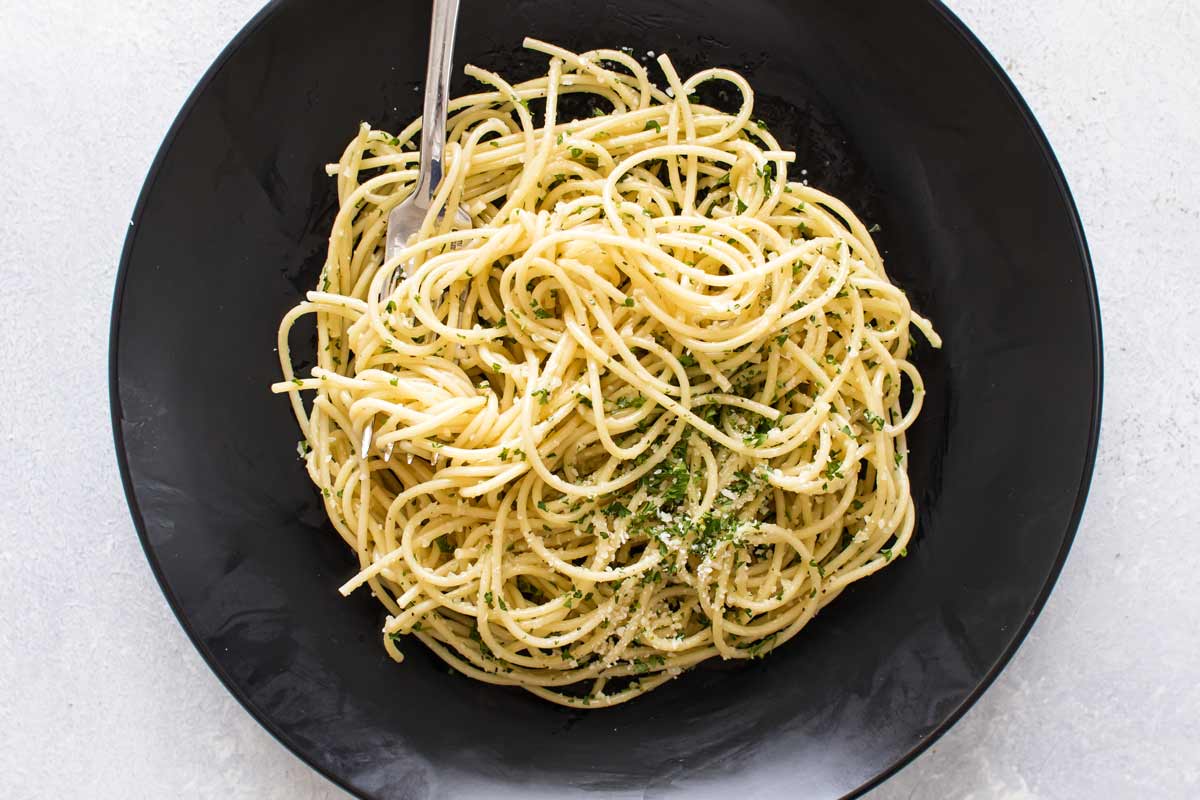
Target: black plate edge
(1088,276)
(114,394)
(1085,480)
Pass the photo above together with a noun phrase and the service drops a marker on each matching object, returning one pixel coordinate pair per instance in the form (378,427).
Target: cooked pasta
(649,409)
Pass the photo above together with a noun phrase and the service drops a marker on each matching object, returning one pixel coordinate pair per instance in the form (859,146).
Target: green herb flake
(615,509)
(628,401)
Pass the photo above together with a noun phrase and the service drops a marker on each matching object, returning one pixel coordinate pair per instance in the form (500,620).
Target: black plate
(893,106)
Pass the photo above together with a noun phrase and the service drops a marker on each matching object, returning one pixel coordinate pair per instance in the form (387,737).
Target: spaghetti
(649,410)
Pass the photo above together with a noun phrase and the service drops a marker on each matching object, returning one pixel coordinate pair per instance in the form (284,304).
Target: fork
(406,218)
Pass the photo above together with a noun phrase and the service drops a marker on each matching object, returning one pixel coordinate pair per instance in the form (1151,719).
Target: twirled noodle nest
(650,409)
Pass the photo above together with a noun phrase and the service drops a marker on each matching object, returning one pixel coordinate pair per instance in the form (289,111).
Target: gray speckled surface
(101,694)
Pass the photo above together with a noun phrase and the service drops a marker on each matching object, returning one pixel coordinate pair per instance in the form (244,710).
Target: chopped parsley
(762,646)
(615,509)
(742,481)
(630,401)
(767,173)
(755,439)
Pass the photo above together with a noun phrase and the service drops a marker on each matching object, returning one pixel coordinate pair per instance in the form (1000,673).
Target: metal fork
(406,218)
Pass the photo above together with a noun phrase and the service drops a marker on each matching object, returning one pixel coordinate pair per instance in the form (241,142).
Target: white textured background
(102,696)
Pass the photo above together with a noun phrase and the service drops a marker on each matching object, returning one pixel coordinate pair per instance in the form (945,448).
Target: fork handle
(437,98)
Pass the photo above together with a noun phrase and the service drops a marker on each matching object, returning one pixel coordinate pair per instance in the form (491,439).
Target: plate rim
(1055,170)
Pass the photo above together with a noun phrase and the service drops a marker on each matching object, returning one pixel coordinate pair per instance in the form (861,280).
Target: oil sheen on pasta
(648,411)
